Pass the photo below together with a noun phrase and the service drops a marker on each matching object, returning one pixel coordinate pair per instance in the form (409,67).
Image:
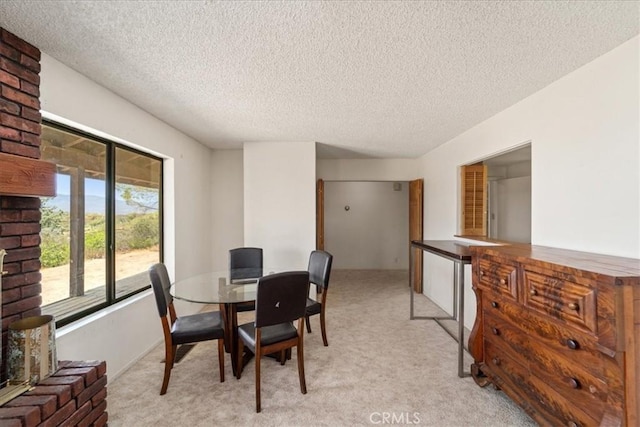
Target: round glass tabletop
(220,287)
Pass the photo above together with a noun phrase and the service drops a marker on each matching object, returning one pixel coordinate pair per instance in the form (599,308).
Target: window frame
(110,219)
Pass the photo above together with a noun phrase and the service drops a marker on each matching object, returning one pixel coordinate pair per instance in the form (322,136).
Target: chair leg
(221,358)
(169,357)
(306,319)
(283,357)
(323,328)
(227,338)
(239,360)
(173,355)
(257,356)
(303,383)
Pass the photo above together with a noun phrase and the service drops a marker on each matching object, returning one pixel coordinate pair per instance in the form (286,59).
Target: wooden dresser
(559,332)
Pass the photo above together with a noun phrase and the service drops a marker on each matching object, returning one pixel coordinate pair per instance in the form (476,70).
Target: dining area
(377,361)
(278,303)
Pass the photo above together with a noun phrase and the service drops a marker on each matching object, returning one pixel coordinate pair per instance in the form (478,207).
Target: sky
(94,196)
(92,187)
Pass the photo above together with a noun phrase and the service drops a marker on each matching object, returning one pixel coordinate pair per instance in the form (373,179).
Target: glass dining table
(217,287)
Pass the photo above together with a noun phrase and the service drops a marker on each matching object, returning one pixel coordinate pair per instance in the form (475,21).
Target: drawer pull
(503,282)
(573,344)
(533,292)
(494,304)
(481,273)
(496,361)
(574,383)
(495,331)
(573,306)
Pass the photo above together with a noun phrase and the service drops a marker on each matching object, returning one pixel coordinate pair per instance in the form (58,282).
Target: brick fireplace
(76,394)
(19,216)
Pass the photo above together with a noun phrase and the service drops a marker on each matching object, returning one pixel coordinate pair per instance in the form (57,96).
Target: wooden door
(416,202)
(320,215)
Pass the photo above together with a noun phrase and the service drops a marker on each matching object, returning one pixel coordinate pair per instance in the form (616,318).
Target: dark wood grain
(22,176)
(559,332)
(499,277)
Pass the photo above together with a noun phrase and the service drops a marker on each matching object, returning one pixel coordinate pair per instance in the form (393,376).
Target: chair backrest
(320,268)
(245,263)
(281,298)
(161,283)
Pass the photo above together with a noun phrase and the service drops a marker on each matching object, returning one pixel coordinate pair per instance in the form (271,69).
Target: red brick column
(74,396)
(19,102)
(76,393)
(20,128)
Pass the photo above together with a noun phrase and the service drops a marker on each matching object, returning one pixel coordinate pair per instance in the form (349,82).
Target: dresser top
(596,263)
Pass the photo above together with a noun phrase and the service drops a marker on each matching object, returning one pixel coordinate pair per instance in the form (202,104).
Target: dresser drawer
(501,362)
(575,380)
(511,377)
(561,411)
(500,331)
(498,277)
(569,342)
(545,402)
(571,378)
(569,302)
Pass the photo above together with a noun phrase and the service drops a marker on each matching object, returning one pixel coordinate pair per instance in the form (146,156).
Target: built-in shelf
(22,176)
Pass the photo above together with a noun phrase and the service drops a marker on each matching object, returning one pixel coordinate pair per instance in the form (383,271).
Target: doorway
(365,224)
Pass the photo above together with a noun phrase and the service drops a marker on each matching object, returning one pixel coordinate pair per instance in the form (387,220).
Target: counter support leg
(459,287)
(461,256)
(411,282)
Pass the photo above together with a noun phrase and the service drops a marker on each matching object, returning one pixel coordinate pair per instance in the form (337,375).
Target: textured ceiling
(364,79)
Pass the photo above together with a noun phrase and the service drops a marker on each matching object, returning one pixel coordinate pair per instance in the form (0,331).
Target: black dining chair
(245,264)
(280,301)
(319,273)
(184,329)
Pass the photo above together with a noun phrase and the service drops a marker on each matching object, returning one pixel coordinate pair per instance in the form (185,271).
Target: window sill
(80,323)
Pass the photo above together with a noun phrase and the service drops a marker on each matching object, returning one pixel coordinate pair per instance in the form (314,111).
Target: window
(103,229)
(496,197)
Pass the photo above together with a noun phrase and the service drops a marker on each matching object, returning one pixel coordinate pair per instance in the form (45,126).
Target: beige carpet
(380,368)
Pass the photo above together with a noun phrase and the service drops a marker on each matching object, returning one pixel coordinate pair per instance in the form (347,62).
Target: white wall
(368,169)
(374,232)
(510,202)
(513,214)
(227,213)
(585,163)
(125,332)
(279,201)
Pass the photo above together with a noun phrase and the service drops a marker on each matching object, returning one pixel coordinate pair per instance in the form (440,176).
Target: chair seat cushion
(270,334)
(197,327)
(313,307)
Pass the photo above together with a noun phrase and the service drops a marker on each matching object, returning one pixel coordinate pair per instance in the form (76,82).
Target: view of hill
(93,204)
